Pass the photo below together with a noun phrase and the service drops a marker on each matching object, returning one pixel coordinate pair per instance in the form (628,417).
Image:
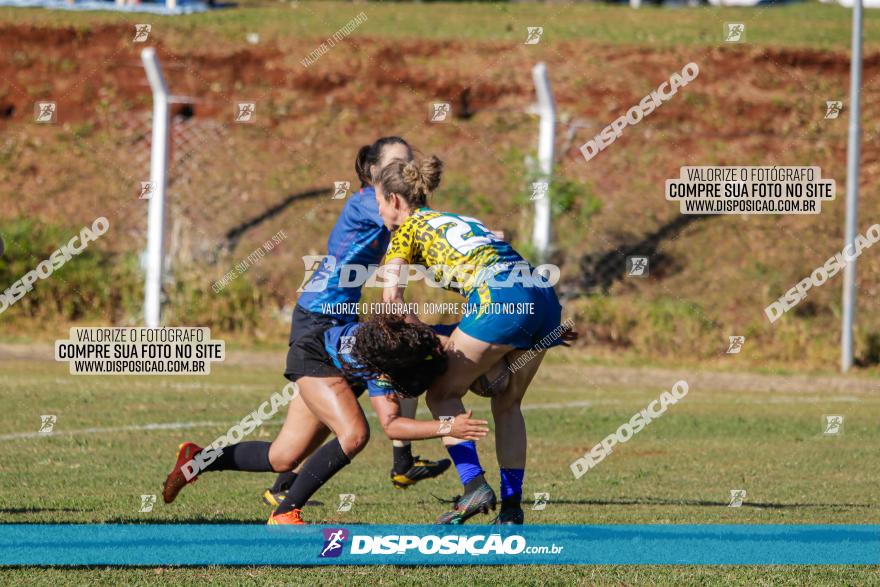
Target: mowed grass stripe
(818,25)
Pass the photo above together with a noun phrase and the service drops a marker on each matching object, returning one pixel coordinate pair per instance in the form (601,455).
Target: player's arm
(397,427)
(401,251)
(393,292)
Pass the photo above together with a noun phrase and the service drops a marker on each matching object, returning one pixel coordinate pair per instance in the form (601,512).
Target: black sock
(514,501)
(474,483)
(252,455)
(283,481)
(320,467)
(403,459)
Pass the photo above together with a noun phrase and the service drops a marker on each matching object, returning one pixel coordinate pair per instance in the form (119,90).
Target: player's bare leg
(468,359)
(331,402)
(301,434)
(510,437)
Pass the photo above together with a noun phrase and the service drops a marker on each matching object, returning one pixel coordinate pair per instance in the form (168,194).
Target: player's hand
(498,233)
(466,428)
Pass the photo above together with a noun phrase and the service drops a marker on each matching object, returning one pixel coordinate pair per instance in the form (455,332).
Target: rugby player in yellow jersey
(511,311)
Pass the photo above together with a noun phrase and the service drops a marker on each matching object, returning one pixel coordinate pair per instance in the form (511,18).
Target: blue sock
(464,455)
(511,482)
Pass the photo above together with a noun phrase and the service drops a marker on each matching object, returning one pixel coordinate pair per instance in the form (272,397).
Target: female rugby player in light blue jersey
(463,253)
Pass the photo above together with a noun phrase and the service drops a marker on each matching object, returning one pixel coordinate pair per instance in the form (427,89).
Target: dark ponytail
(371,155)
(362,165)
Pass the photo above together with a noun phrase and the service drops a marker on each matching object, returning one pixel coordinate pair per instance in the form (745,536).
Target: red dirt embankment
(748,106)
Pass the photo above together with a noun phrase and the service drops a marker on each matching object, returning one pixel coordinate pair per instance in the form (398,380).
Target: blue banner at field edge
(358,544)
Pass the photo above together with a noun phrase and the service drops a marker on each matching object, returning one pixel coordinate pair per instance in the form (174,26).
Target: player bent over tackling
(388,357)
(474,261)
(359,237)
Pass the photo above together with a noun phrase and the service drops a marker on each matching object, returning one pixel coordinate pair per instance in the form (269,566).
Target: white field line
(421,411)
(810,400)
(167,426)
(110,385)
(208,424)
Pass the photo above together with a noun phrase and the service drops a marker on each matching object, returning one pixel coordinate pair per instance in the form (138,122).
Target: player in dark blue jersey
(358,238)
(388,356)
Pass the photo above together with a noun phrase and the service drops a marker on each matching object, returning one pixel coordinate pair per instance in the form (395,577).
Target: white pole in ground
(852,188)
(159,179)
(541,236)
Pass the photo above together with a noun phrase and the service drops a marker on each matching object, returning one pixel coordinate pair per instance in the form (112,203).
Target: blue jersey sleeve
(338,341)
(378,387)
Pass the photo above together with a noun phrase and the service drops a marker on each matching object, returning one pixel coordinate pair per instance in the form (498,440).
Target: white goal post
(154,259)
(546,109)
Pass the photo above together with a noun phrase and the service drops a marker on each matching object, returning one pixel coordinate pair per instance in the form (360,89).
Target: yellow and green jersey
(457,250)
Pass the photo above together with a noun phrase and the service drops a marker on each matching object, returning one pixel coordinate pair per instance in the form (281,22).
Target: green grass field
(818,25)
(733,431)
(756,428)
